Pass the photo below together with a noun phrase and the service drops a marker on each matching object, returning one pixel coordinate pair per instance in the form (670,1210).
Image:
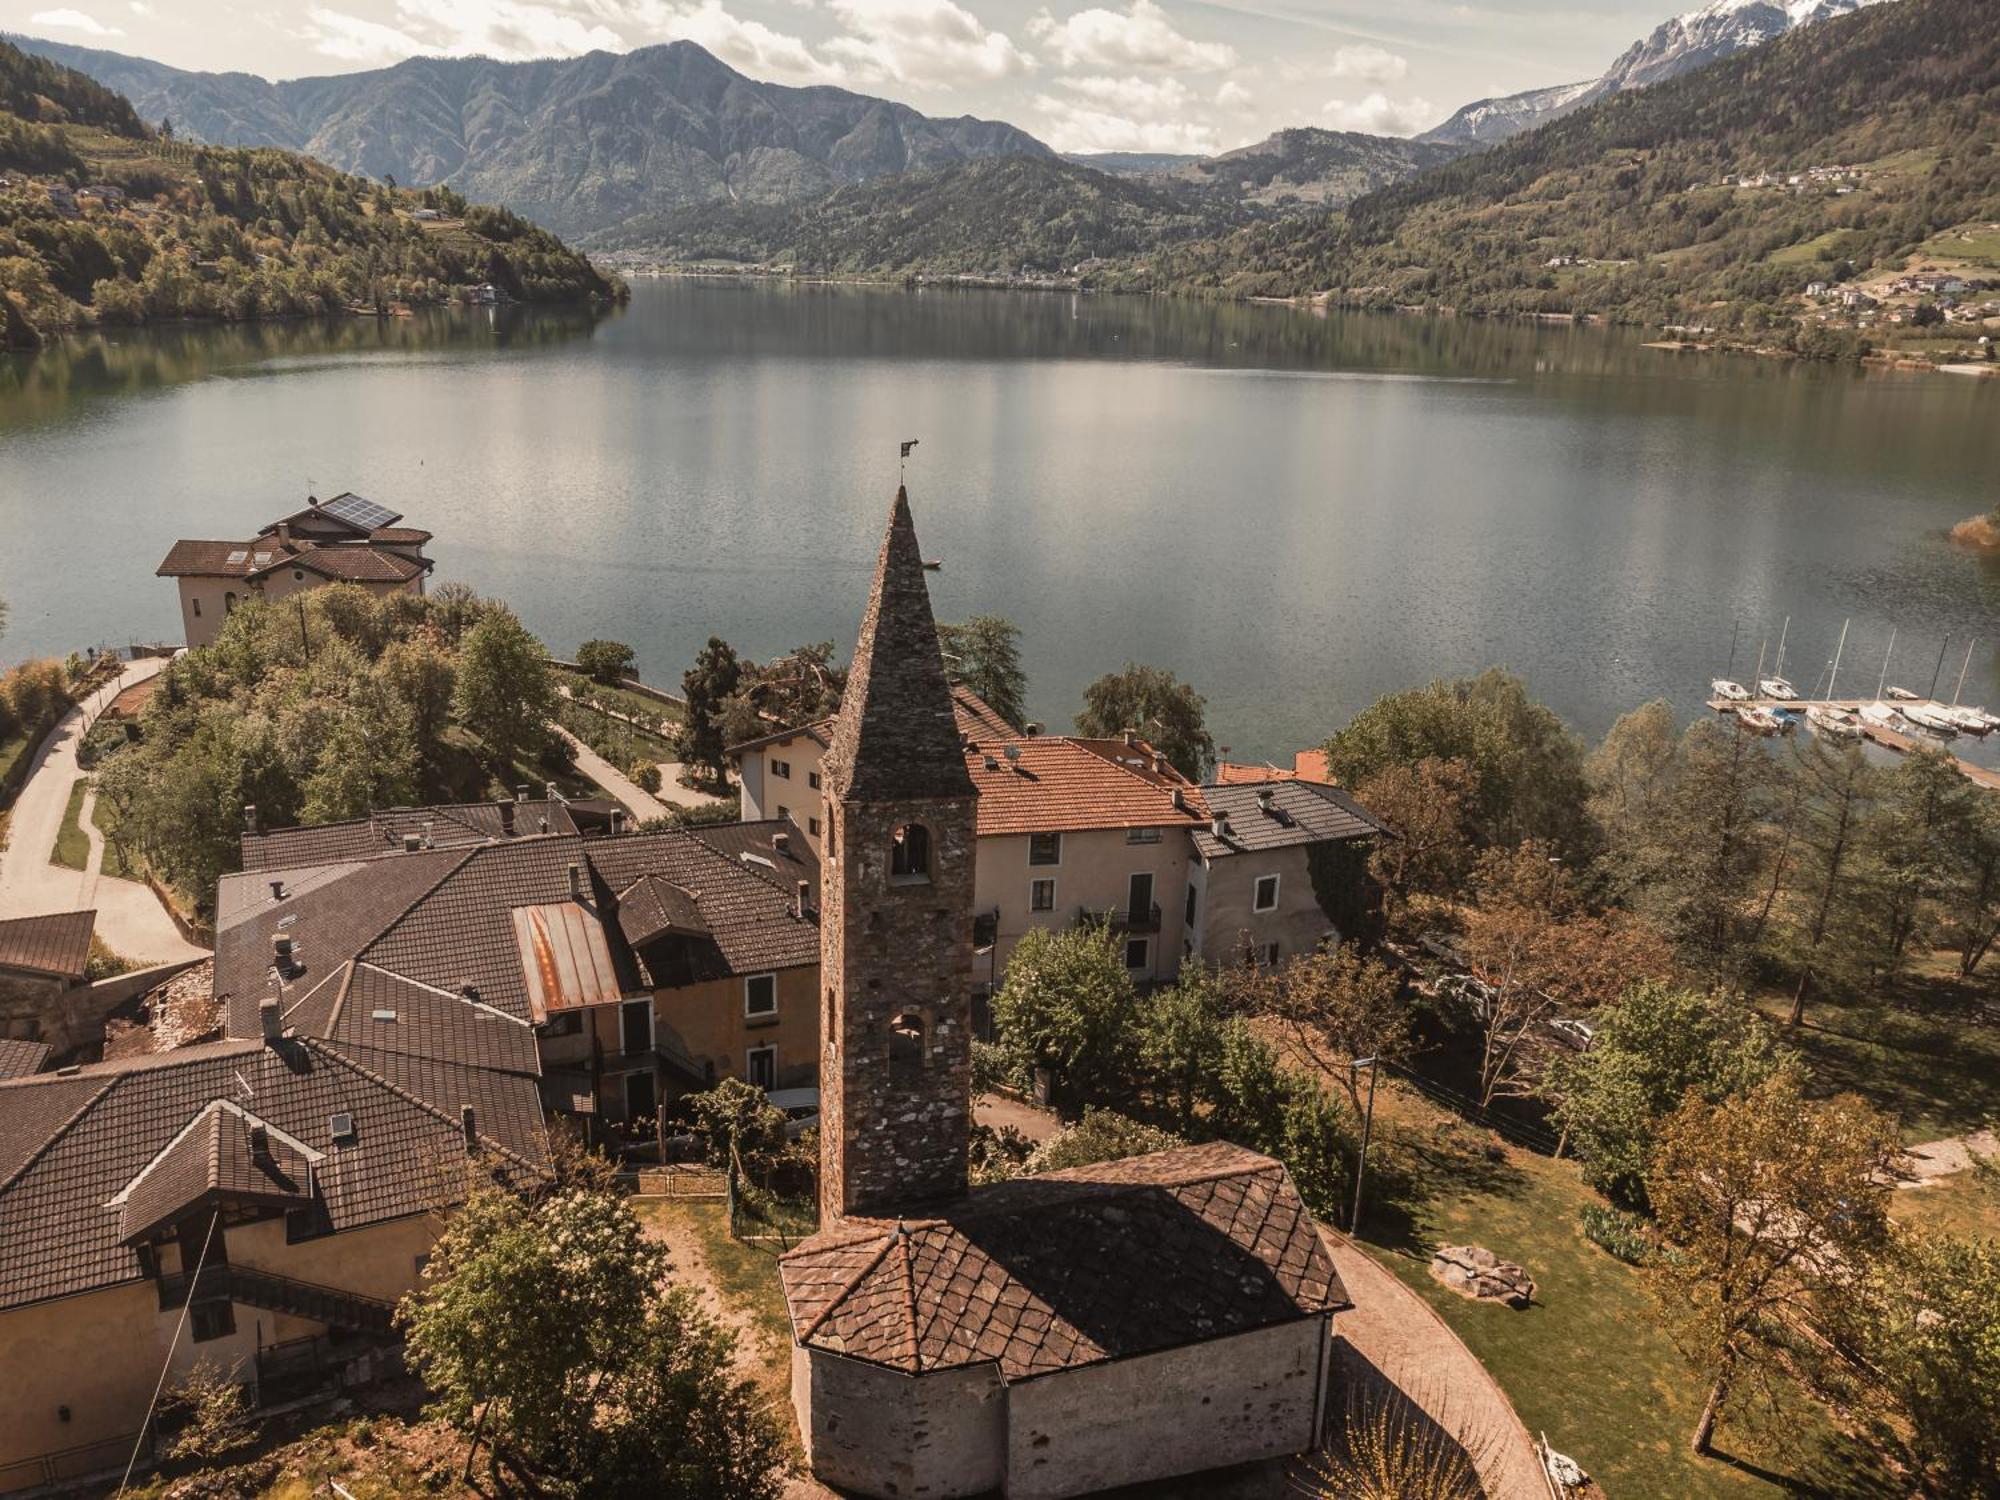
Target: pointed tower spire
(897,737)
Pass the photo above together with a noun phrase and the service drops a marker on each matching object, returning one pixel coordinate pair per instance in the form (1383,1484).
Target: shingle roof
(1301,812)
(1057,784)
(450,825)
(214,1159)
(353,564)
(896,736)
(1050,1273)
(70,1145)
(18,1059)
(205,559)
(57,944)
(373,1008)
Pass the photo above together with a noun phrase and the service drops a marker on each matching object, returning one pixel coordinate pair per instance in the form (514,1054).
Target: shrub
(1386,1448)
(1618,1233)
(605,661)
(645,775)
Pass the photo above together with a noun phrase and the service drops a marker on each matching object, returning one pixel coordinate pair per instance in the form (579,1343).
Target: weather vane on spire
(903,457)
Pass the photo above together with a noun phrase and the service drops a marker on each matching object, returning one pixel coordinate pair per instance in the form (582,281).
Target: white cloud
(1233,95)
(1141,36)
(750,46)
(1072,126)
(73,20)
(1378,114)
(512,30)
(1136,96)
(920,42)
(1369,64)
(141,8)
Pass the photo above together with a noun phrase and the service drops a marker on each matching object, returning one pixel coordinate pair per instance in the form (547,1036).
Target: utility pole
(1373,1065)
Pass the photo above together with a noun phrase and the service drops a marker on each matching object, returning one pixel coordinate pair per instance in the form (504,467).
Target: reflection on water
(1127,478)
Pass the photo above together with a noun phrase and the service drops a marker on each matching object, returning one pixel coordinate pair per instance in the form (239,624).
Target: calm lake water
(1296,513)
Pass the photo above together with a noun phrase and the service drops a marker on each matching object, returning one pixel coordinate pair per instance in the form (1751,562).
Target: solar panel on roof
(360,511)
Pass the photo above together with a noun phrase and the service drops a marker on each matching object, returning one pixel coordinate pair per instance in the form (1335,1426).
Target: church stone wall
(875,1432)
(1253,1396)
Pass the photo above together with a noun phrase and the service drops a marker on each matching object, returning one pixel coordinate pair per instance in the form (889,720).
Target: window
(642,1098)
(1270,955)
(760,1066)
(1142,835)
(812,827)
(196,602)
(760,995)
(637,1017)
(1041,895)
(1265,897)
(1137,951)
(564,1023)
(906,1041)
(812,780)
(299,575)
(784,812)
(986,929)
(1190,906)
(211,1320)
(1044,848)
(782,769)
(910,853)
(228,602)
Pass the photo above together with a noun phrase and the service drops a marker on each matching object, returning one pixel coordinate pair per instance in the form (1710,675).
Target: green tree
(1066,1005)
(1915,846)
(554,1330)
(1427,806)
(1165,712)
(505,694)
(1975,894)
(1180,1038)
(1337,1006)
(735,1116)
(984,653)
(422,671)
(1764,1197)
(1630,772)
(1834,794)
(1099,1136)
(708,686)
(606,661)
(1653,1049)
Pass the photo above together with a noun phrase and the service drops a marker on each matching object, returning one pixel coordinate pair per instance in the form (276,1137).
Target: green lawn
(72,849)
(1976,242)
(1937,1072)
(638,705)
(1805,252)
(1966,1204)
(1590,1363)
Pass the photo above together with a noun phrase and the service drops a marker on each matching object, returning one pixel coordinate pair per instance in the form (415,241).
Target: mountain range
(579,144)
(1718,30)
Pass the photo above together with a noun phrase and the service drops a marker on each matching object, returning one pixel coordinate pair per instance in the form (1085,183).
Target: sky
(1084,75)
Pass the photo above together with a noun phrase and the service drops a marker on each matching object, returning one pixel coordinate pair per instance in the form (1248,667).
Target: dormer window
(910,853)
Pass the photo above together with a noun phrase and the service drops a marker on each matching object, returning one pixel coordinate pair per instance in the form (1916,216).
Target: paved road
(641,804)
(1395,1334)
(130,919)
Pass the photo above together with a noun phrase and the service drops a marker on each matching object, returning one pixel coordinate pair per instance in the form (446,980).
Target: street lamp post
(1367,1125)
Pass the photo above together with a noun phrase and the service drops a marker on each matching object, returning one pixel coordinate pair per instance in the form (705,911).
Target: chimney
(277,890)
(427,834)
(542,824)
(1219,826)
(1013,754)
(1159,762)
(507,819)
(1264,798)
(576,883)
(412,843)
(270,1018)
(1130,737)
(281,953)
(285,533)
(781,842)
(617,820)
(313,501)
(467,1123)
(521,794)
(1180,800)
(250,817)
(260,1143)
(802,902)
(1031,730)
(551,790)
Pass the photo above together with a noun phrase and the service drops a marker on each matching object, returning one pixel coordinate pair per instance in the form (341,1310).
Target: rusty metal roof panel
(565,958)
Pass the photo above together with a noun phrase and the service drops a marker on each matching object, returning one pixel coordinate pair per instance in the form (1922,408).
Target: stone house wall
(878,1432)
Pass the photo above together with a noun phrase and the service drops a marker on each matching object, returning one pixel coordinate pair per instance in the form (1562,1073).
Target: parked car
(1574,1033)
(1470,991)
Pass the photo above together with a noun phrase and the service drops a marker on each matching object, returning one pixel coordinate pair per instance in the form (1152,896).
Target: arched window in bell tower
(910,854)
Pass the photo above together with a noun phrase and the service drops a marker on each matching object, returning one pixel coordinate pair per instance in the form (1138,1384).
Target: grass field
(1971,242)
(1591,1363)
(72,849)
(1966,1204)
(1805,252)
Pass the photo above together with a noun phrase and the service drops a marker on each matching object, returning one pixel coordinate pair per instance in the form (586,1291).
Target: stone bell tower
(896,911)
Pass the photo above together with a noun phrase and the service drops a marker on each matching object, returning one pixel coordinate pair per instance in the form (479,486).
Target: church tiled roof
(1069,1269)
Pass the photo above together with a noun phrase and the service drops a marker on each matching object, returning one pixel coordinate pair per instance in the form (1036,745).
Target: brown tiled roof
(747,903)
(204,559)
(18,1058)
(370,1007)
(975,717)
(653,905)
(212,1161)
(57,944)
(1049,1273)
(1301,812)
(1057,784)
(444,825)
(69,1145)
(400,536)
(896,736)
(353,564)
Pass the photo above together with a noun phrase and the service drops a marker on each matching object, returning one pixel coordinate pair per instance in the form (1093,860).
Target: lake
(1295,512)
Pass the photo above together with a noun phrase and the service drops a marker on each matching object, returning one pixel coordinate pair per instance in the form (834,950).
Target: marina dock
(1889,739)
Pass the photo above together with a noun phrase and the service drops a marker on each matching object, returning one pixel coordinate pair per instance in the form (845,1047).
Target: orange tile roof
(1307,765)
(1058,784)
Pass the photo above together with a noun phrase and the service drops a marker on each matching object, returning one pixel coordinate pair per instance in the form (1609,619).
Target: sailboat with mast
(1825,718)
(1971,720)
(1777,685)
(1878,713)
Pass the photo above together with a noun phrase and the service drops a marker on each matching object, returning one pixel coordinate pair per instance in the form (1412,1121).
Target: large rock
(1478,1273)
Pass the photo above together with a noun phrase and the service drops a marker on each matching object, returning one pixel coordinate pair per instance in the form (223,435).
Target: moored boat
(1758,719)
(1878,714)
(1931,716)
(1734,692)
(1836,723)
(1969,720)
(1778,687)
(1904,695)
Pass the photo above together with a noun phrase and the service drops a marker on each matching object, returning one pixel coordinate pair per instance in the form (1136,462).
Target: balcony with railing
(1121,919)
